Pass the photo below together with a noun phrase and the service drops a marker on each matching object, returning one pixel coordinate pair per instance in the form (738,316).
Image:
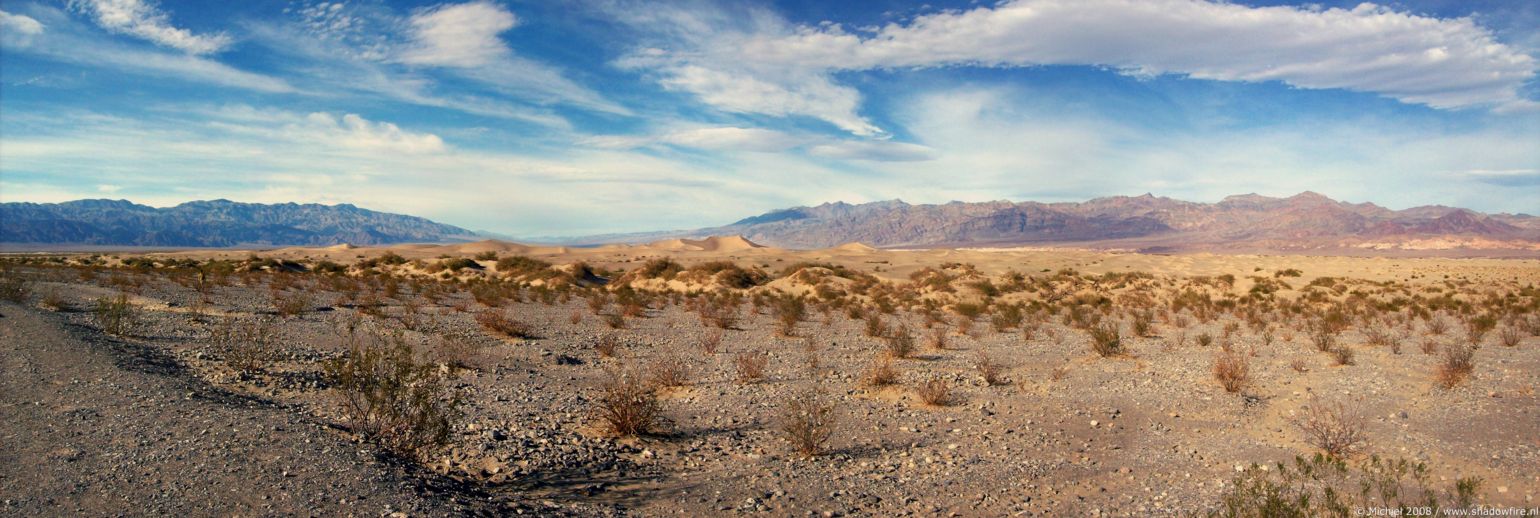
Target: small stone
(1094,423)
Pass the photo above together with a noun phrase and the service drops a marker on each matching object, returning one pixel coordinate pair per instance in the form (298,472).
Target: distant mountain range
(1307,221)
(1249,222)
(217,223)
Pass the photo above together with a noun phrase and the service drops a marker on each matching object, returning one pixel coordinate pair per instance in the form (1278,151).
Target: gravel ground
(158,421)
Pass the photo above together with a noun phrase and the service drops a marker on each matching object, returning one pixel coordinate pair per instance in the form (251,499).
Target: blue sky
(577,117)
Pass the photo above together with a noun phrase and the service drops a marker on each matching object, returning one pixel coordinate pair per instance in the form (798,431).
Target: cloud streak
(767,66)
(141,19)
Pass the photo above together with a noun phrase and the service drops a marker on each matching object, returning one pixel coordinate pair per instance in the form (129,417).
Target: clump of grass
(990,370)
(881,372)
(390,398)
(1455,365)
(808,421)
(627,405)
(1331,427)
(750,365)
(1106,340)
(1232,370)
(934,392)
(500,323)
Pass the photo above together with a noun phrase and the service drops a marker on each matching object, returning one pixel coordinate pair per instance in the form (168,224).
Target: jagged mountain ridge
(1304,221)
(213,223)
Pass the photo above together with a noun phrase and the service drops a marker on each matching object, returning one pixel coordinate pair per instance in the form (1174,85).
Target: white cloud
(761,64)
(141,19)
(18,29)
(462,35)
(732,138)
(460,39)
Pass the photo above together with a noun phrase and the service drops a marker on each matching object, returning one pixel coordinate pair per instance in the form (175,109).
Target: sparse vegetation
(751,364)
(627,405)
(808,421)
(502,324)
(1232,370)
(1455,364)
(1332,427)
(1327,486)
(391,399)
(116,315)
(1105,340)
(934,392)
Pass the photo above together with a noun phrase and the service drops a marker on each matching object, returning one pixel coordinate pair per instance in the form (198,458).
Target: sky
(575,117)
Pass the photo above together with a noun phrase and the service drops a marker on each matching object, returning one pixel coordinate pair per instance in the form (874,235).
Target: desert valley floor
(944,382)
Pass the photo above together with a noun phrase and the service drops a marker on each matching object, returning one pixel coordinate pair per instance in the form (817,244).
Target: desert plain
(719,377)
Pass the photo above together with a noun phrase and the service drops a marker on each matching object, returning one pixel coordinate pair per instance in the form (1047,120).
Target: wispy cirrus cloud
(759,63)
(142,19)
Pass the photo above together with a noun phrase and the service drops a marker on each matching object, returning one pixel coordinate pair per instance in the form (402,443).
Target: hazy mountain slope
(1304,221)
(213,224)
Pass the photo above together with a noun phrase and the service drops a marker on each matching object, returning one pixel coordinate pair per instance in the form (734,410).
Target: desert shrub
(521,265)
(718,312)
(1289,272)
(789,311)
(1342,354)
(874,326)
(668,371)
(1456,364)
(808,421)
(750,365)
(991,371)
(486,256)
(455,265)
(290,304)
(116,315)
(964,325)
(900,344)
(1144,324)
(1205,339)
(1299,366)
(1105,340)
(1324,336)
(1006,317)
(1232,370)
(937,341)
(53,301)
(13,288)
(245,345)
(1428,346)
(1437,326)
(1327,486)
(1509,336)
(881,372)
(392,399)
(500,323)
(1331,427)
(934,392)
(1477,327)
(455,352)
(712,341)
(614,320)
(606,346)
(627,405)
